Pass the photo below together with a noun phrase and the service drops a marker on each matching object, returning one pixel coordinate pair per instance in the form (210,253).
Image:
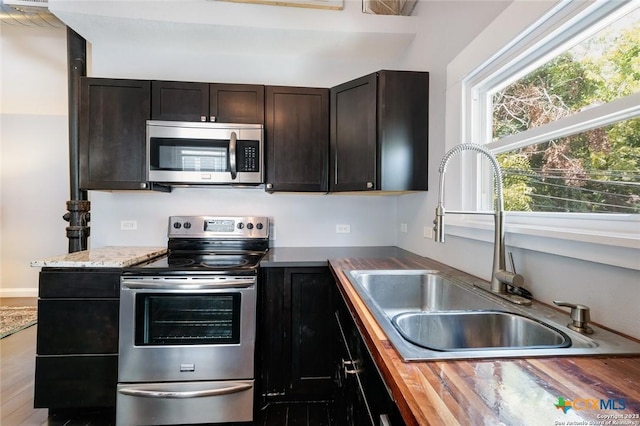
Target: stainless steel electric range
(188,325)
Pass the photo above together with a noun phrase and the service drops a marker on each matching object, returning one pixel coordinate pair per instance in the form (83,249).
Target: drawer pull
(351,367)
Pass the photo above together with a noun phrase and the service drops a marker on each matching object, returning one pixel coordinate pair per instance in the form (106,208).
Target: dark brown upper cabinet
(379,133)
(214,102)
(297,139)
(112,128)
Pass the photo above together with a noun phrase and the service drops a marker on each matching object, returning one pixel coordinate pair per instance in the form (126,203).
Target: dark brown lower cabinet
(77,338)
(361,396)
(76,381)
(295,337)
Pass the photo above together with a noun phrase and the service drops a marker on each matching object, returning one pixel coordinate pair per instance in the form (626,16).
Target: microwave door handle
(232,155)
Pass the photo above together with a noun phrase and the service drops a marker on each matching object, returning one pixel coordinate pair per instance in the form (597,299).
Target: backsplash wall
(300,220)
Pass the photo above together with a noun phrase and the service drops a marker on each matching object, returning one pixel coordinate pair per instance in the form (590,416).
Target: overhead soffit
(237,28)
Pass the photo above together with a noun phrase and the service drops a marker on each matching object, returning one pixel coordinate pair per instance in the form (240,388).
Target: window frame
(504,58)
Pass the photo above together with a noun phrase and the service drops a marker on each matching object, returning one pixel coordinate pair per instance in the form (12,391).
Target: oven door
(186,328)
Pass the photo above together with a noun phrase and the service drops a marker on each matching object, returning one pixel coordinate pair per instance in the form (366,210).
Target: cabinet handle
(269,186)
(369,185)
(351,367)
(212,119)
(143,185)
(203,118)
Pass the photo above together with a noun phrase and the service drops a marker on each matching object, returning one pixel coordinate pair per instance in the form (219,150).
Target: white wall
(34,165)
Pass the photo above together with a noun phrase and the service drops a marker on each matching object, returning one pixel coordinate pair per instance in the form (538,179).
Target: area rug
(16,318)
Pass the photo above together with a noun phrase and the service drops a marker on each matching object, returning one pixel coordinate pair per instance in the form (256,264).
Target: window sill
(607,243)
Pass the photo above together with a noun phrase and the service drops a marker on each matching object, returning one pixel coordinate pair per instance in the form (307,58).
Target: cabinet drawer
(70,283)
(88,326)
(76,381)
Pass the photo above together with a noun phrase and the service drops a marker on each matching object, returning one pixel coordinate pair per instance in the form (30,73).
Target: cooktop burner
(208,261)
(201,244)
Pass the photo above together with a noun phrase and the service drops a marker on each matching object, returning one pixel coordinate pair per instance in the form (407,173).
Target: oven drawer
(184,403)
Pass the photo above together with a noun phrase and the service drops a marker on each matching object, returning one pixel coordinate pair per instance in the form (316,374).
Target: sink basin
(462,331)
(429,315)
(401,291)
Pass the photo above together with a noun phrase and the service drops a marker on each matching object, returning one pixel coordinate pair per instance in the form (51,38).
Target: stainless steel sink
(461,331)
(415,290)
(427,314)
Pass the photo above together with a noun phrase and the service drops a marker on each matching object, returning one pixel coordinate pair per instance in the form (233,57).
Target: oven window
(187,319)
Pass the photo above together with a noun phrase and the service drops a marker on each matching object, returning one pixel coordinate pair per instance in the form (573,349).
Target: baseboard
(19,292)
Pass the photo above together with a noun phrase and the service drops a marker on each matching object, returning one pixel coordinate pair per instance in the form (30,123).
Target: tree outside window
(593,170)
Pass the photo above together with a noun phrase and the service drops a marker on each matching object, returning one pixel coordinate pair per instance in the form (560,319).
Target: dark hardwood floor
(17,366)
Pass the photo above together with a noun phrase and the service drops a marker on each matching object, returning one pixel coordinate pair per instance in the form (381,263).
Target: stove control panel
(218,227)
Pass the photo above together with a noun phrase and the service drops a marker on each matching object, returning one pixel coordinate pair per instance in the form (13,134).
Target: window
(564,113)
(565,208)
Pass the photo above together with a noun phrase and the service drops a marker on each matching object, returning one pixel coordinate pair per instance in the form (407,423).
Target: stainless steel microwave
(193,153)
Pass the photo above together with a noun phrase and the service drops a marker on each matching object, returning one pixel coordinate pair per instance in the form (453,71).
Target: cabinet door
(179,101)
(353,135)
(113,116)
(236,103)
(295,338)
(274,335)
(311,332)
(403,130)
(297,130)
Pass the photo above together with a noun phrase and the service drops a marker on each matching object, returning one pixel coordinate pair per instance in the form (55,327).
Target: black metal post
(78,207)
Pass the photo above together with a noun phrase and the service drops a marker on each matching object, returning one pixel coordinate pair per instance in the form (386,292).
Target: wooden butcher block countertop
(521,391)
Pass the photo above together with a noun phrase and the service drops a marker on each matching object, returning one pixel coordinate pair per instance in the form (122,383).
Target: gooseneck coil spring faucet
(500,277)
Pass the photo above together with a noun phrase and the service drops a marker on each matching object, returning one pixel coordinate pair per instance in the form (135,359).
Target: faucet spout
(500,277)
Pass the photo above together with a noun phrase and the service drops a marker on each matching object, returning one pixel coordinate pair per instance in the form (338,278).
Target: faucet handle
(580,317)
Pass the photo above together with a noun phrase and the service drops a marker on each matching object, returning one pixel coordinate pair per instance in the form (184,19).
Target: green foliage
(516,183)
(598,170)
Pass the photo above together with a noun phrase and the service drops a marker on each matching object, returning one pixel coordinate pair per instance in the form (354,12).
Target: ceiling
(240,28)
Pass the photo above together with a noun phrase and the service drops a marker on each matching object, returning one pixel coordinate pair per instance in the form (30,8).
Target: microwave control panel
(248,156)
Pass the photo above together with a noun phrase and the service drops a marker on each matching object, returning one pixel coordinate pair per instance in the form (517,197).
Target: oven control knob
(187,225)
(177,225)
(240,225)
(249,225)
(259,225)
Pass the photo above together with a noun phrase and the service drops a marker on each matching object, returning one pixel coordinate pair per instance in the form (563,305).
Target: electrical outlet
(343,229)
(128,225)
(403,227)
(428,232)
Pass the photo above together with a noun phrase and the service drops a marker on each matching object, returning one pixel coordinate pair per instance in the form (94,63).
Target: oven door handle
(173,284)
(237,388)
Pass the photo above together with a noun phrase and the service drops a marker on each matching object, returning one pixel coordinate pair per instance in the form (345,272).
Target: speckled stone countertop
(105,257)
